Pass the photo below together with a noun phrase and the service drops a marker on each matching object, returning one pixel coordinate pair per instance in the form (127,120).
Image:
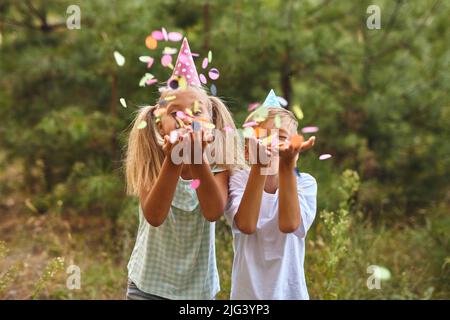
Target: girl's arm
(289,218)
(213,190)
(156,203)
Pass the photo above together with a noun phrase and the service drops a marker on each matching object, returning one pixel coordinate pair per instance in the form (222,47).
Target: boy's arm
(247,215)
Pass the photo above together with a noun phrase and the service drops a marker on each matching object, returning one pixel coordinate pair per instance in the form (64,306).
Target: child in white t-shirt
(270,215)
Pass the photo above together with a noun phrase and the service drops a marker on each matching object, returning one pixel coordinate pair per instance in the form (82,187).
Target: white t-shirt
(268,264)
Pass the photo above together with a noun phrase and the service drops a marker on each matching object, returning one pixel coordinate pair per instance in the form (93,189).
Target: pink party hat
(185,66)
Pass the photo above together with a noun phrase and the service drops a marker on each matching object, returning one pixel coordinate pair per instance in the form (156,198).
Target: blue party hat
(272,100)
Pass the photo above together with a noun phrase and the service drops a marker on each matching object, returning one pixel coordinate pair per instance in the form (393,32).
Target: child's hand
(258,152)
(199,141)
(290,149)
(170,141)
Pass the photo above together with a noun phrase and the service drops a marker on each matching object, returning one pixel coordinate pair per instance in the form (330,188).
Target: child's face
(185,104)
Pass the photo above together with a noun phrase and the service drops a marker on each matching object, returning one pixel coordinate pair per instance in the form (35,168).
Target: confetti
(214,74)
(282,101)
(169,50)
(151,43)
(145,78)
(213,90)
(166,60)
(298,112)
(182,83)
(310,129)
(325,156)
(196,107)
(145,59)
(228,129)
(209,125)
(173,137)
(142,124)
(175,36)
(209,56)
(260,113)
(158,35)
(120,59)
(195,184)
(189,113)
(267,140)
(277,121)
(123,102)
(149,82)
(248,132)
(170,98)
(164,32)
(202,78)
(296,141)
(181,115)
(250,124)
(205,63)
(253,106)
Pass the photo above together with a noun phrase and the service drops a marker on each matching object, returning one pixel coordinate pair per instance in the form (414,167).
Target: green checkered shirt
(177,260)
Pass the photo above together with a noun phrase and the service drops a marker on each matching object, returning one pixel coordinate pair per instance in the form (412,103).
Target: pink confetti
(195,184)
(181,115)
(228,129)
(205,63)
(253,106)
(202,78)
(157,35)
(173,137)
(249,124)
(175,36)
(166,60)
(325,156)
(195,54)
(149,82)
(310,129)
(214,74)
(150,62)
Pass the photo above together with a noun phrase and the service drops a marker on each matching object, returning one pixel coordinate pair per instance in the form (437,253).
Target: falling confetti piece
(205,63)
(170,98)
(228,129)
(123,102)
(158,35)
(298,112)
(214,74)
(169,50)
(195,55)
(248,132)
(166,60)
(277,121)
(120,59)
(202,78)
(325,156)
(196,107)
(181,115)
(173,137)
(209,56)
(189,113)
(296,140)
(267,140)
(213,90)
(282,101)
(253,106)
(145,59)
(175,36)
(145,78)
(182,83)
(209,125)
(195,184)
(250,124)
(164,32)
(142,124)
(310,129)
(151,43)
(149,82)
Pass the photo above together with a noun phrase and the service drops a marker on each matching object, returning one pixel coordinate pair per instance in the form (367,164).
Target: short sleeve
(307,197)
(236,185)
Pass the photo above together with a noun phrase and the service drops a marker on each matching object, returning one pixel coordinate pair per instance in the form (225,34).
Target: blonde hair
(288,120)
(144,154)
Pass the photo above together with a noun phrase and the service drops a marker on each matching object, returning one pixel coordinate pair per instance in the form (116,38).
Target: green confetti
(142,124)
(298,112)
(209,56)
(277,121)
(123,102)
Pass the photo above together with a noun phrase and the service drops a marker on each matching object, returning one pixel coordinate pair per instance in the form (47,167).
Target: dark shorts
(133,293)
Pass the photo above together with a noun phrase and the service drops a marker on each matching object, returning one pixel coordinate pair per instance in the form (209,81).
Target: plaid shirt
(177,260)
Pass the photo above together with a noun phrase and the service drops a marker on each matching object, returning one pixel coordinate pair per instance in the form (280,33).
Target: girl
(174,254)
(270,214)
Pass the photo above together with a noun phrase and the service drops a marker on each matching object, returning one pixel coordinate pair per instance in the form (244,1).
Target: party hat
(272,100)
(185,66)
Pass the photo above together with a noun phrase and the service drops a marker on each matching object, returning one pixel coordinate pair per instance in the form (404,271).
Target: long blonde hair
(144,154)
